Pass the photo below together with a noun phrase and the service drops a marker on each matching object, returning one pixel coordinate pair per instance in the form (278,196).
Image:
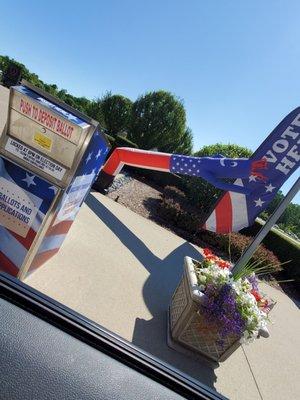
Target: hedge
(175,209)
(285,248)
(119,141)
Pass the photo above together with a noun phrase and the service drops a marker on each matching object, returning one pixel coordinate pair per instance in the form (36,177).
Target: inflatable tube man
(256,180)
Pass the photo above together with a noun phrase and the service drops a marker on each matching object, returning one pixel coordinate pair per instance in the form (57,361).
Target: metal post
(266,228)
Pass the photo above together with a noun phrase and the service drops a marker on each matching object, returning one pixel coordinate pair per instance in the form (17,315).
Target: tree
(158,121)
(228,150)
(94,110)
(184,144)
(80,103)
(274,203)
(116,111)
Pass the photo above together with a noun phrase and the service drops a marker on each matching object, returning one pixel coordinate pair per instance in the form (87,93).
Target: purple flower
(221,308)
(254,282)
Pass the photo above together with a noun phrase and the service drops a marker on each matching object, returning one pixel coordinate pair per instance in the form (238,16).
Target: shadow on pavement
(164,276)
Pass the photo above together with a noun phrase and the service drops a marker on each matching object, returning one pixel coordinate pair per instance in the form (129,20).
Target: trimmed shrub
(238,243)
(175,209)
(118,141)
(169,210)
(110,139)
(121,141)
(172,192)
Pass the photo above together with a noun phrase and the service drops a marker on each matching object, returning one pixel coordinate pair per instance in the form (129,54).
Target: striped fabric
(72,200)
(213,169)
(230,214)
(255,181)
(14,247)
(280,149)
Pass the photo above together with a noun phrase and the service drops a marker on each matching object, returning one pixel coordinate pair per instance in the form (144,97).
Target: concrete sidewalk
(120,270)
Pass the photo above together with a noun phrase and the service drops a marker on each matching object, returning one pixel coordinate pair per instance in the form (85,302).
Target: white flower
(202,279)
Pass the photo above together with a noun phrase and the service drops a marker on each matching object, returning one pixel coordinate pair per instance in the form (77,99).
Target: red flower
(207,251)
(211,257)
(223,264)
(257,296)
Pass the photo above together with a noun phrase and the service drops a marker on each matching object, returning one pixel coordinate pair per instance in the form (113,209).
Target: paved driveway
(120,270)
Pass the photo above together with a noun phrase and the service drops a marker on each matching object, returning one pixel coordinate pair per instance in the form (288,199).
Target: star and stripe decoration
(33,189)
(13,246)
(213,169)
(72,199)
(235,211)
(256,180)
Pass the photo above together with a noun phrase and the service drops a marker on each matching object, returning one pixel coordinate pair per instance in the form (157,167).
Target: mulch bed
(142,197)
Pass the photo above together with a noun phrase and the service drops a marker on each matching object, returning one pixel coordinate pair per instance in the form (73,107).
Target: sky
(234,64)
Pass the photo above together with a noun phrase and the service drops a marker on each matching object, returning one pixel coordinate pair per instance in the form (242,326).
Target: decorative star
(259,202)
(53,188)
(89,157)
(29,180)
(98,154)
(252,178)
(270,188)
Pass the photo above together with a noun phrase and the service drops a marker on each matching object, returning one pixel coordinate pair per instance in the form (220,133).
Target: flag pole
(266,227)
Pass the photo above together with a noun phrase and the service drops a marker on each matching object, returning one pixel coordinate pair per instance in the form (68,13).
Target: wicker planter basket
(188,327)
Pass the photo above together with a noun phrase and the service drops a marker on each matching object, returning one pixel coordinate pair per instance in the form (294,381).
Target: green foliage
(176,210)
(238,243)
(227,150)
(184,144)
(111,140)
(283,247)
(121,141)
(116,111)
(158,121)
(80,103)
(155,120)
(289,220)
(95,111)
(274,203)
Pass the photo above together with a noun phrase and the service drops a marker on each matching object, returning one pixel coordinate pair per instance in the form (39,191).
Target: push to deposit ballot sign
(44,126)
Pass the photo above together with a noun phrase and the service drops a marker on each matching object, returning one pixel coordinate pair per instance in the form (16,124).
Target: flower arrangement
(233,301)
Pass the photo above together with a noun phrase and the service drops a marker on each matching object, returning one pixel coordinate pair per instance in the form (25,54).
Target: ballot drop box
(50,155)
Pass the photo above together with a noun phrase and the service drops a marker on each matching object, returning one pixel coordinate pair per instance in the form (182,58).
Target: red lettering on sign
(46,119)
(25,107)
